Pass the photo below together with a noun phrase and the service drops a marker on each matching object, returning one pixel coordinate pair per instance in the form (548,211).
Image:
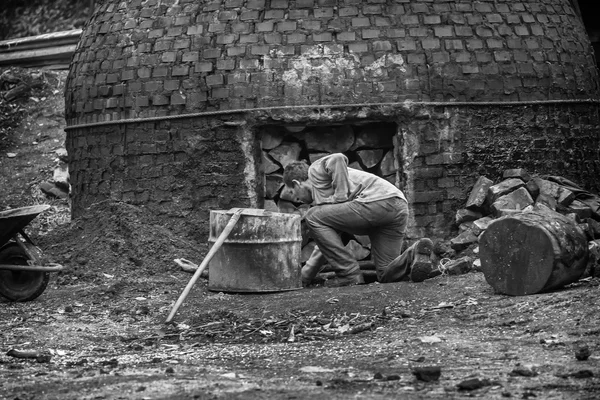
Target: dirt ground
(99,331)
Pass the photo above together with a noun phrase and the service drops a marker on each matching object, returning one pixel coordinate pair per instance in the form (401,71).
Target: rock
(62,154)
(581,209)
(483,223)
(427,374)
(503,188)
(565,197)
(479,193)
(582,353)
(61,177)
(11,155)
(270,138)
(525,370)
(473,383)
(270,205)
(331,139)
(370,136)
(516,200)
(547,187)
(533,189)
(316,156)
(516,173)
(50,189)
(546,200)
(357,250)
(477,265)
(364,240)
(464,215)
(388,164)
(273,183)
(463,240)
(593,228)
(370,158)
(459,266)
(306,251)
(269,165)
(355,165)
(286,152)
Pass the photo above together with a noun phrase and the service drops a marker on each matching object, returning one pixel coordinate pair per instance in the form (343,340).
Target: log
(532,252)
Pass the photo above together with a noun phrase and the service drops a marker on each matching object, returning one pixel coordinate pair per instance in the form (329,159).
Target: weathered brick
(265,26)
(248,64)
(311,25)
(360,47)
(348,11)
(298,14)
(273,38)
(168,56)
(296,38)
(203,67)
(322,37)
(418,32)
(250,15)
(346,36)
(159,100)
(251,38)
(432,19)
(177,98)
(382,45)
(371,9)
(211,53)
(370,33)
(190,56)
(360,22)
(323,12)
(274,14)
(180,70)
(407,44)
(227,64)
(226,39)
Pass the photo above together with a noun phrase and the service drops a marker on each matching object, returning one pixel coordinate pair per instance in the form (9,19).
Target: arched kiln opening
(369,146)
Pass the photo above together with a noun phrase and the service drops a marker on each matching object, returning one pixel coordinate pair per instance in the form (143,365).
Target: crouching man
(356,202)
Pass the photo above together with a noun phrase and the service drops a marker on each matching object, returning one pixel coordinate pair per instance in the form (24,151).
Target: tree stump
(527,253)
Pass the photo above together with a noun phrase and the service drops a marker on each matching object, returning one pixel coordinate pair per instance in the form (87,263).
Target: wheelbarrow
(23,277)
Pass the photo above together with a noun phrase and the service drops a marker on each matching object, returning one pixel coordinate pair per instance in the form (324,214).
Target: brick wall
(161,59)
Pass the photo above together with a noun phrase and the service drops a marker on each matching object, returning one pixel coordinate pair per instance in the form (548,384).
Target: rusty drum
(261,254)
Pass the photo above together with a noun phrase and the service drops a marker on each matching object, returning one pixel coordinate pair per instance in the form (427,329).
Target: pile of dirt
(114,238)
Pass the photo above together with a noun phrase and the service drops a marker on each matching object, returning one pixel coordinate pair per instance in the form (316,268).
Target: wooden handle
(228,228)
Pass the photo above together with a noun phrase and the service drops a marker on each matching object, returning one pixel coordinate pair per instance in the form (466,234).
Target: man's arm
(337,167)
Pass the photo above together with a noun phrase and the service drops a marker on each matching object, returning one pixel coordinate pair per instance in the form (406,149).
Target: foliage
(35,17)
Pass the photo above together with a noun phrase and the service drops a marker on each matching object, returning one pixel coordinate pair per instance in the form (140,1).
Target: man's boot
(421,266)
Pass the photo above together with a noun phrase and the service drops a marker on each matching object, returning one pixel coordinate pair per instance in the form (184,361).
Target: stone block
(478,194)
(388,164)
(332,140)
(286,152)
(273,183)
(464,215)
(268,164)
(370,158)
(581,209)
(515,200)
(482,223)
(503,188)
(516,173)
(357,250)
(463,241)
(459,266)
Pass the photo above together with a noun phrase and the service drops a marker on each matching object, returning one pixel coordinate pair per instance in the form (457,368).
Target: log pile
(546,220)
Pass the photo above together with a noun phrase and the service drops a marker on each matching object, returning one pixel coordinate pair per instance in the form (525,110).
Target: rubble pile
(519,192)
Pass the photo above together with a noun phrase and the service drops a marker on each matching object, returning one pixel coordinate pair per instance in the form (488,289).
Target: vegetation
(35,17)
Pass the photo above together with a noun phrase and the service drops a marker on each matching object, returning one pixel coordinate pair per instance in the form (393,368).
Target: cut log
(528,253)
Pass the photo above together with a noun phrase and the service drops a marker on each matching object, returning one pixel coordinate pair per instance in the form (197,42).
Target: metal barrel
(261,254)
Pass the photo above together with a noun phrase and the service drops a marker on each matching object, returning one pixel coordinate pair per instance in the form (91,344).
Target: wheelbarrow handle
(52,267)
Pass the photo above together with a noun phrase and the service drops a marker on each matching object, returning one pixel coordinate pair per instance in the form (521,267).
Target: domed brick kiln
(186,106)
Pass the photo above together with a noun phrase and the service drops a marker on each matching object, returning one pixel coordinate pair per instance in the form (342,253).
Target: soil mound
(117,239)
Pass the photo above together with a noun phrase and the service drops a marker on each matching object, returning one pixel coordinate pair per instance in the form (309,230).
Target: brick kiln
(184,106)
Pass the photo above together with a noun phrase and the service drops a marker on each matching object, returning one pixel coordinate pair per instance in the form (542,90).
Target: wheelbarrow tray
(13,221)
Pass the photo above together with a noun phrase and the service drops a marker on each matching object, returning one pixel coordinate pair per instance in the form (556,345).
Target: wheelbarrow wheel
(20,285)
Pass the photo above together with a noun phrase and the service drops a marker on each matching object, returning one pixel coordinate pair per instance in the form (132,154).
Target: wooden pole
(228,228)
